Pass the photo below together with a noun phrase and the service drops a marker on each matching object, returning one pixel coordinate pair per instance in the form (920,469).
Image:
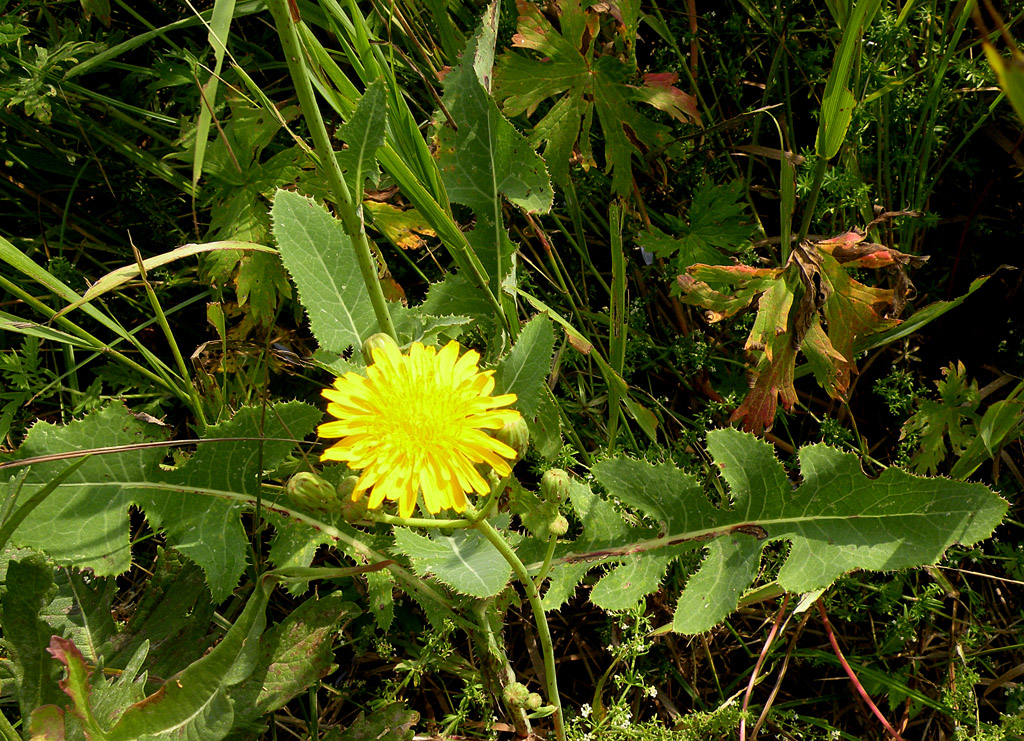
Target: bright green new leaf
(836,521)
(465,561)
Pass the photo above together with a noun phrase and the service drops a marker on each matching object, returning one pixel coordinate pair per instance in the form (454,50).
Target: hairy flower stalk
(415,424)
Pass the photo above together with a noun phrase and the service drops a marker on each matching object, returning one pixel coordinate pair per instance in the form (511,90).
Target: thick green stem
(533,596)
(348,211)
(811,201)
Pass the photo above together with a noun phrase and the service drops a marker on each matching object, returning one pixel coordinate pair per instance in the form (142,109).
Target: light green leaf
(838,520)
(364,134)
(206,529)
(465,560)
(319,256)
(486,159)
(84,521)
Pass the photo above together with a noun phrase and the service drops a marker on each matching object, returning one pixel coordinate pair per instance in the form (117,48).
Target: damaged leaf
(811,305)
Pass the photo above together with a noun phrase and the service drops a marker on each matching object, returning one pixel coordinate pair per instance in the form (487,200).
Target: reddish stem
(853,677)
(760,662)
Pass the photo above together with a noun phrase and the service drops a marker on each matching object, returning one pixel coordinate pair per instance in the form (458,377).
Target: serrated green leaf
(29,590)
(836,521)
(319,256)
(465,561)
(486,159)
(84,522)
(524,371)
(457,295)
(206,529)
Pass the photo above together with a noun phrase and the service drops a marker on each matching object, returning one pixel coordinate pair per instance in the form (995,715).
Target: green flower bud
(516,435)
(533,701)
(554,485)
(558,526)
(306,489)
(378,342)
(516,695)
(351,510)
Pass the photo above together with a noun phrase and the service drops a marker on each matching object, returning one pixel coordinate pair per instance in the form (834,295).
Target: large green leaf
(524,371)
(84,521)
(836,521)
(485,158)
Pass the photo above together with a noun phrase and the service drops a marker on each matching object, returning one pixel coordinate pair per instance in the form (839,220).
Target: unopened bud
(533,701)
(351,510)
(516,695)
(554,485)
(377,342)
(558,526)
(309,490)
(516,435)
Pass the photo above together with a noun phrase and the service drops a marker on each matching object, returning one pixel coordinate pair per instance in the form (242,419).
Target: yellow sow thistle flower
(415,423)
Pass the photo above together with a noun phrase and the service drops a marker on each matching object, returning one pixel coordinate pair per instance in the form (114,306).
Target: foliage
(208,215)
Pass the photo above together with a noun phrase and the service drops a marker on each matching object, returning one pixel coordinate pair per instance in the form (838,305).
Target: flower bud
(558,526)
(306,489)
(554,485)
(377,342)
(516,435)
(516,695)
(351,510)
(533,701)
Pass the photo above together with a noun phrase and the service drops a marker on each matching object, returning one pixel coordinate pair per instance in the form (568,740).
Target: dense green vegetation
(748,269)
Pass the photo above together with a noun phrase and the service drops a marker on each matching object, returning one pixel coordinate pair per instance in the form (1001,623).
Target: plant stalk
(348,211)
(533,596)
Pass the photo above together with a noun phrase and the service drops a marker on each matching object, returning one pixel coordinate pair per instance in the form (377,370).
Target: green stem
(161,317)
(812,199)
(348,211)
(7,730)
(533,596)
(545,566)
(617,321)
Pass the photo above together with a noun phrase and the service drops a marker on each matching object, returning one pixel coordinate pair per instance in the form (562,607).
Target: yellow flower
(415,423)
